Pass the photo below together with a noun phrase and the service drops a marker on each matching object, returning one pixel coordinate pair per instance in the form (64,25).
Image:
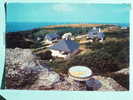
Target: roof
(100,35)
(51,36)
(66,46)
(96,32)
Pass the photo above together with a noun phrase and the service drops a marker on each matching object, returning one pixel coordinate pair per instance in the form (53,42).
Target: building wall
(56,53)
(48,41)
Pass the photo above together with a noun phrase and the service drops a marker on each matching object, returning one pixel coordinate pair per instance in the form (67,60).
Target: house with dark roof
(64,48)
(100,36)
(95,33)
(49,38)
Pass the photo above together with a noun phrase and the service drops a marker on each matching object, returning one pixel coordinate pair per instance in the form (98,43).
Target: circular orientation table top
(80,73)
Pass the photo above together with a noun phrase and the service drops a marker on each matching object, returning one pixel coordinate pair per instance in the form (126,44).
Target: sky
(67,12)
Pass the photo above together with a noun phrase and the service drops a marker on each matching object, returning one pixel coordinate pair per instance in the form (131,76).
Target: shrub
(47,55)
(100,62)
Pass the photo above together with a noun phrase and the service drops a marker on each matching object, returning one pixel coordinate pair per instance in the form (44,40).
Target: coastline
(23,26)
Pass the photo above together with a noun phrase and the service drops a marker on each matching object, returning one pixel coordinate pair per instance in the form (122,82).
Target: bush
(47,55)
(109,58)
(100,62)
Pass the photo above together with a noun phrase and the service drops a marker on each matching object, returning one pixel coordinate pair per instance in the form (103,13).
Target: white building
(49,38)
(67,36)
(64,48)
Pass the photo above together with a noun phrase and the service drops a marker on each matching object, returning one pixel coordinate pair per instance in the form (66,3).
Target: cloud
(63,8)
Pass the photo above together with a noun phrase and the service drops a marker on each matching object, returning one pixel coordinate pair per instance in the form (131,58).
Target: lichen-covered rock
(19,58)
(69,84)
(65,85)
(23,70)
(108,84)
(19,68)
(20,78)
(46,79)
(124,71)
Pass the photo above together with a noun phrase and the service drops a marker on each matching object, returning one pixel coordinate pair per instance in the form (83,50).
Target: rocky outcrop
(124,71)
(19,59)
(108,84)
(23,71)
(45,80)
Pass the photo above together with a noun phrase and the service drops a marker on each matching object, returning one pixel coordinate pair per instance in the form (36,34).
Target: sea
(22,26)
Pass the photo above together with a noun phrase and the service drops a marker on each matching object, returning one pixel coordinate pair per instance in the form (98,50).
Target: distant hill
(74,25)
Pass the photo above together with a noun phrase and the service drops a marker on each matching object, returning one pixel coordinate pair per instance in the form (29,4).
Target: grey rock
(46,78)
(124,71)
(19,58)
(108,84)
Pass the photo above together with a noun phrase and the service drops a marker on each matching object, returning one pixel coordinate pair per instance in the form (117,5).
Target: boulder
(19,58)
(45,80)
(20,78)
(65,85)
(106,84)
(23,71)
(124,71)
